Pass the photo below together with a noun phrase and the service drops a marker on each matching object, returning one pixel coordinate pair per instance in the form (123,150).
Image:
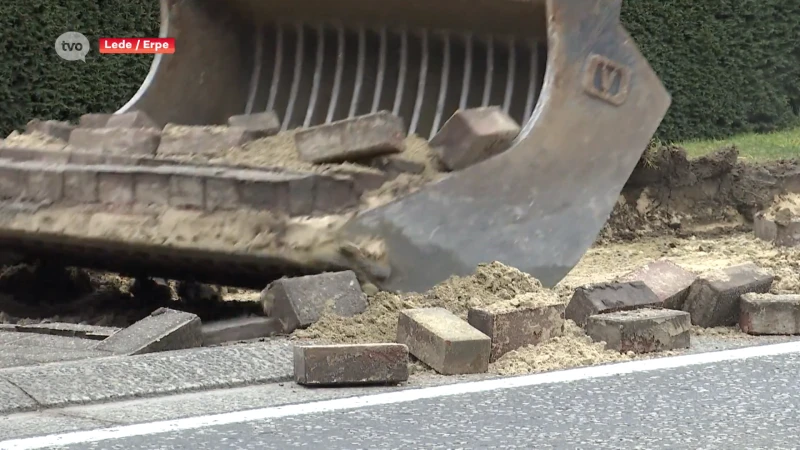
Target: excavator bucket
(566,70)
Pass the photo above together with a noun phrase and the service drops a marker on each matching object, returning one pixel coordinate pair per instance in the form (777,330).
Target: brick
(608,297)
(443,341)
(239,329)
(53,128)
(512,327)
(116,140)
(133,119)
(473,135)
(152,188)
(81,185)
(179,139)
(87,158)
(335,194)
(782,233)
(367,136)
(261,124)
(350,364)
(11,182)
(394,165)
(34,154)
(187,191)
(165,329)
(268,191)
(299,302)
(221,193)
(669,281)
(115,186)
(94,120)
(770,314)
(44,183)
(713,299)
(301,195)
(642,330)
(91,332)
(364,178)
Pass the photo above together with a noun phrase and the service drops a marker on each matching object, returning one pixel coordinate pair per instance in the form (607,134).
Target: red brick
(443,341)
(608,297)
(512,327)
(261,124)
(642,330)
(713,299)
(669,281)
(770,314)
(353,139)
(299,302)
(115,186)
(473,135)
(350,364)
(52,128)
(116,140)
(177,139)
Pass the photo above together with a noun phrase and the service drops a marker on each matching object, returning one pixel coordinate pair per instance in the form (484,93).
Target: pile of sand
(493,286)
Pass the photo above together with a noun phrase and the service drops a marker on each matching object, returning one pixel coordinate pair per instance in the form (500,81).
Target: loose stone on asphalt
(239,329)
(608,297)
(473,135)
(713,299)
(641,330)
(261,124)
(669,281)
(443,341)
(299,302)
(137,141)
(512,328)
(350,364)
(770,314)
(164,329)
(376,134)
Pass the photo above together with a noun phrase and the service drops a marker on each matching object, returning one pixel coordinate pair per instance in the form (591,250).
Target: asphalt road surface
(737,399)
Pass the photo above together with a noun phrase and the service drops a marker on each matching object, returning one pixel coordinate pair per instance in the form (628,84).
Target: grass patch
(754,146)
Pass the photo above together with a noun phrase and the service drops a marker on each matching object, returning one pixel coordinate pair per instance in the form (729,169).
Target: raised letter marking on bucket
(606,80)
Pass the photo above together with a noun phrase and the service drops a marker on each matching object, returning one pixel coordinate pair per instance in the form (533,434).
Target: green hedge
(35,82)
(731,65)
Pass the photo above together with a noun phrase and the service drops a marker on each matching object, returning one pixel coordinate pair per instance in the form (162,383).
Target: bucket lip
(154,65)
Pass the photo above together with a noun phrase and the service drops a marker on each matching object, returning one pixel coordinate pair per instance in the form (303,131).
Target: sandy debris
(785,208)
(34,139)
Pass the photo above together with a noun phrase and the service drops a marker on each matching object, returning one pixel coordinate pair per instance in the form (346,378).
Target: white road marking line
(403,396)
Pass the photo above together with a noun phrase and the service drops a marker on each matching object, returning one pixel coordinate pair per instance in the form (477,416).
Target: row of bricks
(183,187)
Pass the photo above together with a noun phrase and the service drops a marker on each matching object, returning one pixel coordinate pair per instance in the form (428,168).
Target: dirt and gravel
(697,213)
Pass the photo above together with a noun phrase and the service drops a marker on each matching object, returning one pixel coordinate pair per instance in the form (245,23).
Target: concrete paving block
(116,187)
(366,136)
(53,128)
(152,188)
(261,124)
(350,364)
(713,299)
(164,329)
(94,332)
(81,185)
(642,330)
(43,182)
(443,341)
(48,341)
(20,356)
(364,178)
(239,329)
(782,233)
(135,141)
(473,135)
(511,327)
(153,374)
(394,165)
(221,193)
(669,281)
(14,399)
(179,139)
(94,120)
(770,314)
(299,302)
(187,190)
(335,194)
(608,297)
(133,119)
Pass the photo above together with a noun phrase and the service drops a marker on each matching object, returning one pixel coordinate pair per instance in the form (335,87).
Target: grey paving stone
(165,373)
(13,399)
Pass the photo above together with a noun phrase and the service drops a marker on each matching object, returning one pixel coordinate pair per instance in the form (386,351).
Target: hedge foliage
(731,65)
